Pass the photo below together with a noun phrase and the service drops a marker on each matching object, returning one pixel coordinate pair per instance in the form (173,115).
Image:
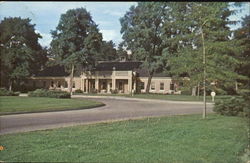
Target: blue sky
(46,15)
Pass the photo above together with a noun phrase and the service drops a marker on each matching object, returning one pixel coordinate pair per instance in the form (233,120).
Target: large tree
(76,41)
(243,34)
(21,54)
(142,30)
(108,51)
(210,52)
(206,48)
(121,53)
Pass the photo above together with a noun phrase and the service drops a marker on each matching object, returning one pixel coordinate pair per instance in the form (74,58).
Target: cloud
(114,13)
(109,34)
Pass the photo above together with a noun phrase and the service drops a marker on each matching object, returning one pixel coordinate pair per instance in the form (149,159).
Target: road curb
(138,99)
(58,110)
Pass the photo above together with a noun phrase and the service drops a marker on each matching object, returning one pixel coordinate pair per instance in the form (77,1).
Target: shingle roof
(59,71)
(119,66)
(143,72)
(55,71)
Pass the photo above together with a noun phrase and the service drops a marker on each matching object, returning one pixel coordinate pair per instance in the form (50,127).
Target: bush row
(234,106)
(5,92)
(49,93)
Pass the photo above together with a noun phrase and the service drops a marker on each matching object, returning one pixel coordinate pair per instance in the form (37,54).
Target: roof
(143,72)
(59,71)
(55,71)
(119,66)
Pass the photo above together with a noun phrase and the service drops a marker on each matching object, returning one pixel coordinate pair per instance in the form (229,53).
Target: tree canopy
(211,20)
(175,36)
(21,54)
(76,41)
(142,34)
(108,52)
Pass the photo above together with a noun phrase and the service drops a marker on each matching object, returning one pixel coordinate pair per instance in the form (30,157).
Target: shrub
(115,91)
(38,93)
(78,91)
(49,93)
(186,91)
(5,92)
(93,90)
(246,96)
(232,106)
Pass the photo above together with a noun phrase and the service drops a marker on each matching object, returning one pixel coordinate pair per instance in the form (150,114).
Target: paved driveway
(115,109)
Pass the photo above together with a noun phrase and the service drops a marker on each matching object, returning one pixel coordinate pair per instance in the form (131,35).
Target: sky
(46,15)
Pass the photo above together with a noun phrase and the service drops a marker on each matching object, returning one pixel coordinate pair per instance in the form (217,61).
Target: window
(34,84)
(104,85)
(52,84)
(44,83)
(152,86)
(120,86)
(161,86)
(65,84)
(142,85)
(59,84)
(74,84)
(172,86)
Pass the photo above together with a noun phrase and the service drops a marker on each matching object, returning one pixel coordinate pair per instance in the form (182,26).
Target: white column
(130,85)
(97,84)
(134,85)
(82,85)
(87,85)
(113,84)
(108,87)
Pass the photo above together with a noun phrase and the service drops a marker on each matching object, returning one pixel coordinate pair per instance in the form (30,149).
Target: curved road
(116,109)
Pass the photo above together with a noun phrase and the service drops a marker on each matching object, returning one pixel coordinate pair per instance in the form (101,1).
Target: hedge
(5,92)
(234,106)
(49,93)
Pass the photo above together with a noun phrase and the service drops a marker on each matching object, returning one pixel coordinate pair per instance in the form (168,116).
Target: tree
(142,30)
(121,53)
(210,53)
(76,41)
(21,54)
(108,51)
(243,35)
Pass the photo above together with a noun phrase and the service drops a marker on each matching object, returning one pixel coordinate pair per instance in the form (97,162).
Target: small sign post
(213,94)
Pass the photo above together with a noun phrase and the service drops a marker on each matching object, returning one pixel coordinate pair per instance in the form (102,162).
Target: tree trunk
(236,86)
(204,74)
(194,91)
(71,79)
(149,81)
(10,85)
(198,92)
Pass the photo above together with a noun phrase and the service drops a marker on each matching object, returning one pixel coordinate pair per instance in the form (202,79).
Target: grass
(15,104)
(164,97)
(165,139)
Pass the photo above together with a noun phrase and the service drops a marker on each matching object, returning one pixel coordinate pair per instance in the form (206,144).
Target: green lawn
(163,97)
(166,139)
(15,104)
